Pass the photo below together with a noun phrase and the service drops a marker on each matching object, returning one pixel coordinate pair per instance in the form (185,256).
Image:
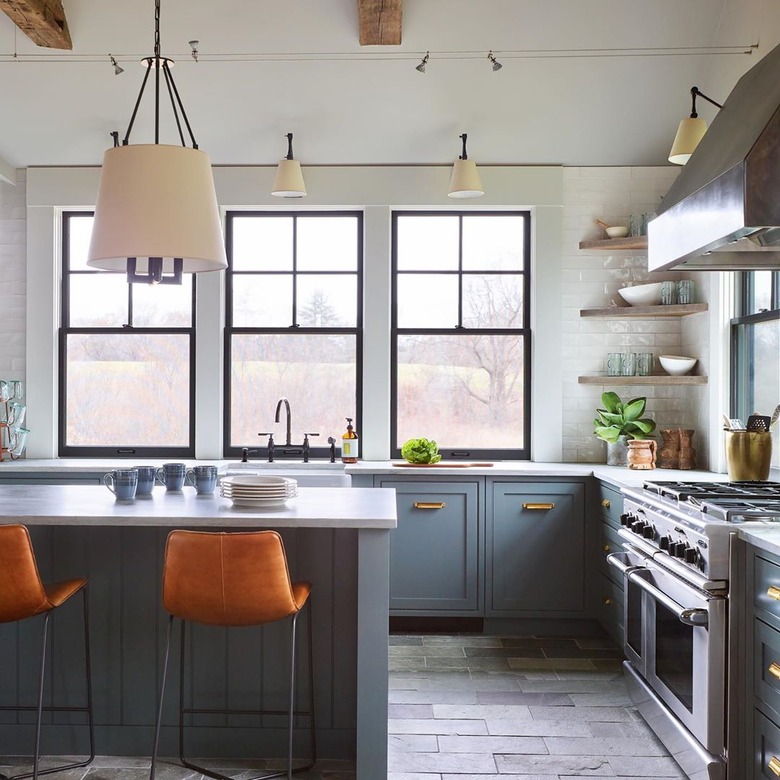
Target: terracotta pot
(669,451)
(641,454)
(687,458)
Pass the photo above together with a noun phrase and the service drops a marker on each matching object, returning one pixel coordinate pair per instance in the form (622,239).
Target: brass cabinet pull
(774,593)
(429,504)
(606,503)
(531,505)
(607,548)
(607,601)
(774,670)
(774,766)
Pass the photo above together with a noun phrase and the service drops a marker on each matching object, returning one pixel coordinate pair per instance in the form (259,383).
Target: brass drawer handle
(429,504)
(774,593)
(774,670)
(607,548)
(606,503)
(774,766)
(531,505)
(607,601)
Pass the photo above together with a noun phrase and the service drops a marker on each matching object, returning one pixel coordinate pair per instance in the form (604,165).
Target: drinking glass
(644,363)
(628,364)
(614,361)
(668,293)
(685,289)
(16,388)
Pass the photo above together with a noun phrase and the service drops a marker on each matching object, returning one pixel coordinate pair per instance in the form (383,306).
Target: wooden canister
(748,455)
(641,454)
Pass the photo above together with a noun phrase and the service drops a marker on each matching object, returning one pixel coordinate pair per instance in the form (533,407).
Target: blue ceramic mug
(171,475)
(122,483)
(146,480)
(203,479)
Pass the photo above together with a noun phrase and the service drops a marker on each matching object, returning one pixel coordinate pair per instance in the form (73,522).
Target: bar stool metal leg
(156,745)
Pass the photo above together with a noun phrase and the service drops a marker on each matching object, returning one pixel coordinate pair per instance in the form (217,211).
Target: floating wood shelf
(611,244)
(670,310)
(660,379)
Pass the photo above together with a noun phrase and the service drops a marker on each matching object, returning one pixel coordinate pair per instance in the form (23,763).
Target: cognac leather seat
(231,580)
(23,596)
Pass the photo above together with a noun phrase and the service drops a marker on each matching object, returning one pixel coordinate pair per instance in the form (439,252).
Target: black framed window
(294,327)
(461,358)
(755,348)
(126,356)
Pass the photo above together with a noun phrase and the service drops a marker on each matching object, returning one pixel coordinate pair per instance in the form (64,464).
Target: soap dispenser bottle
(350,447)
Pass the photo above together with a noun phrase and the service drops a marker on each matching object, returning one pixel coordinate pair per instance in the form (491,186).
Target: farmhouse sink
(312,474)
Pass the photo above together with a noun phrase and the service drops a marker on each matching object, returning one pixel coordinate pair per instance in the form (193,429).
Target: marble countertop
(765,536)
(95,505)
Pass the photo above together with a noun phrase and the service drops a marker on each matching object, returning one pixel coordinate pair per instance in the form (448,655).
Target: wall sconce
(690,131)
(288,182)
(465,181)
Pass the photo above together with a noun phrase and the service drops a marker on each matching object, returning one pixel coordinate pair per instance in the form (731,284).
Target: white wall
(13,276)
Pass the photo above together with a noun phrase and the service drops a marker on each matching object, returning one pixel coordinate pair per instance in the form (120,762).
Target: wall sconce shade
(156,201)
(288,182)
(465,181)
(690,131)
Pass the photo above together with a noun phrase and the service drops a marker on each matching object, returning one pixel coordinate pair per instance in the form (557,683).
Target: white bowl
(642,294)
(618,231)
(676,365)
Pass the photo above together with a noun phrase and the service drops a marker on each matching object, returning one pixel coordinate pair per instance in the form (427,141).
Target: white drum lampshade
(465,181)
(157,201)
(689,132)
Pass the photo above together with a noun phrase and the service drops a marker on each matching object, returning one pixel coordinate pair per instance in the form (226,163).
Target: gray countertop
(765,536)
(95,505)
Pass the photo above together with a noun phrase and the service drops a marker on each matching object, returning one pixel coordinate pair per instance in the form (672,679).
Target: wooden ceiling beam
(380,22)
(42,21)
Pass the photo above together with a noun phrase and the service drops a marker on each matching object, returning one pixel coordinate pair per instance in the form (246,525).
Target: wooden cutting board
(442,465)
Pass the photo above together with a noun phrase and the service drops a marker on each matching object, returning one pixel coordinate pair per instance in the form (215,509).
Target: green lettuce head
(420,451)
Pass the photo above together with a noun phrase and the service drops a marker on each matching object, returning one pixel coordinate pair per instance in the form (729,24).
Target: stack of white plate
(258,491)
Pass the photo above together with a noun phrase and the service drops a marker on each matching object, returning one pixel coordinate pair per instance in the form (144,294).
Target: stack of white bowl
(258,491)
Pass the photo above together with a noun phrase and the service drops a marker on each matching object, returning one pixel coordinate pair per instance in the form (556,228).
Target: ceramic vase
(641,454)
(617,452)
(669,451)
(687,458)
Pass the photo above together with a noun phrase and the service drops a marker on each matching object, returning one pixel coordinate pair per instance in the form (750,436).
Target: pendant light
(156,214)
(689,132)
(465,182)
(288,182)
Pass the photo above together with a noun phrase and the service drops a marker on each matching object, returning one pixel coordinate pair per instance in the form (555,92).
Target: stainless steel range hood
(723,211)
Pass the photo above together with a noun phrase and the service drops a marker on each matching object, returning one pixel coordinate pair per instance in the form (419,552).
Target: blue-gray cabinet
(535,549)
(435,552)
(608,592)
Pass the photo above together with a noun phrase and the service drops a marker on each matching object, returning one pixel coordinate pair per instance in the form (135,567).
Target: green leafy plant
(617,419)
(420,451)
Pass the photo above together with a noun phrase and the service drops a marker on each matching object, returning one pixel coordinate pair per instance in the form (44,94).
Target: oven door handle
(688,616)
(622,562)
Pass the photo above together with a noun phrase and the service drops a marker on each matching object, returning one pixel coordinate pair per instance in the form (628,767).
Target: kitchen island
(336,538)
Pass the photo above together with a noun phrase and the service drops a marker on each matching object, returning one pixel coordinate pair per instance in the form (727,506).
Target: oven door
(627,561)
(683,649)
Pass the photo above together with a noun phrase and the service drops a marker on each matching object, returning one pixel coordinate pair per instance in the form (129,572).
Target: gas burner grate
(731,509)
(683,491)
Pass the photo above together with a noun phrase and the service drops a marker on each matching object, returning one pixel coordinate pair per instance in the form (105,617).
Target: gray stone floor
(470,706)
(466,707)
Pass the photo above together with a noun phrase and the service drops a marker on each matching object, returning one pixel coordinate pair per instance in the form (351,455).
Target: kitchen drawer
(609,608)
(766,664)
(611,504)
(608,542)
(766,744)
(766,586)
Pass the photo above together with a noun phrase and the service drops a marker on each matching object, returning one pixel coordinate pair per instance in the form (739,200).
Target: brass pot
(748,455)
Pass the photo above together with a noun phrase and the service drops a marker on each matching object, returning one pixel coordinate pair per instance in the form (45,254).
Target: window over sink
(461,335)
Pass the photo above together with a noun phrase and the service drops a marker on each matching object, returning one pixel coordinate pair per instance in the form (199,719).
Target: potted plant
(617,422)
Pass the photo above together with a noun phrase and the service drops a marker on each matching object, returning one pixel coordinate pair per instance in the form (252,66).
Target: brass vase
(748,455)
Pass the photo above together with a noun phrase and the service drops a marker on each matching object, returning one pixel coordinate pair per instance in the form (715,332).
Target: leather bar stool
(230,580)
(23,596)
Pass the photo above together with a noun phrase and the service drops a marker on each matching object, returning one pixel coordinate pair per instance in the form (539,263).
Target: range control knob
(648,532)
(691,555)
(626,518)
(678,549)
(664,542)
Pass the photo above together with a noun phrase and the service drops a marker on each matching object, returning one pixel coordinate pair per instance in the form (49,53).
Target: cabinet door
(536,548)
(434,551)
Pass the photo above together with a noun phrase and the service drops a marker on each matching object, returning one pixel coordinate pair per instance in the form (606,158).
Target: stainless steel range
(675,565)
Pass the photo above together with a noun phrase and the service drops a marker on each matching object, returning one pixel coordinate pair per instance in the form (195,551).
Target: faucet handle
(306,435)
(245,454)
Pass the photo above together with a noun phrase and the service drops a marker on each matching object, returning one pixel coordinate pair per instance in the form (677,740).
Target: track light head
(194,49)
(423,63)
(494,62)
(117,69)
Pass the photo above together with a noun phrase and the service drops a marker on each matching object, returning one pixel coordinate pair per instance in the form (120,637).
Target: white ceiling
(584,82)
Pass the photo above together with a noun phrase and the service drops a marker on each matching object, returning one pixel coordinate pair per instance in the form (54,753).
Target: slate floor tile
(464,640)
(518,697)
(588,714)
(405,664)
(433,697)
(578,652)
(461,763)
(504,652)
(626,766)
(504,744)
(412,743)
(482,711)
(579,766)
(409,651)
(528,727)
(532,641)
(603,746)
(409,711)
(404,639)
(550,663)
(451,662)
(437,726)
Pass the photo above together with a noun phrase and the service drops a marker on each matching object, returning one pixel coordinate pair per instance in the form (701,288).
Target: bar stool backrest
(22,594)
(227,579)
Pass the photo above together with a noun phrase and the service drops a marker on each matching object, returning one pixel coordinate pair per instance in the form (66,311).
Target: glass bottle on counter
(350,446)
